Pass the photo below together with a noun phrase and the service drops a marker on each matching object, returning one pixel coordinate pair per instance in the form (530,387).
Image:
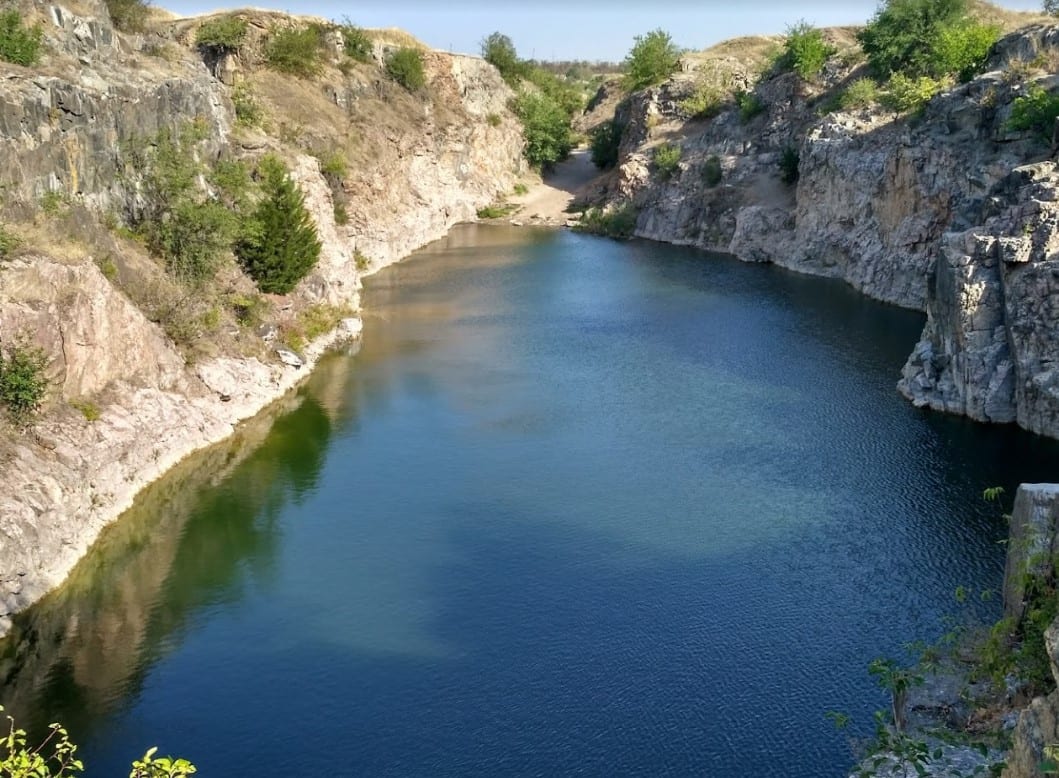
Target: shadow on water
(195,539)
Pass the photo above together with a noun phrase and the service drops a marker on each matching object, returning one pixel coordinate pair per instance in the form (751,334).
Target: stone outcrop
(945,212)
(417,165)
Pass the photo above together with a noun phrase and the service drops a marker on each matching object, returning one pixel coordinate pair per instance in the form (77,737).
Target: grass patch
(497,211)
(19,44)
(296,52)
(88,409)
(129,15)
(617,222)
(9,241)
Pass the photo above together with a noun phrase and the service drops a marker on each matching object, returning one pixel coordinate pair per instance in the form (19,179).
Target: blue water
(576,507)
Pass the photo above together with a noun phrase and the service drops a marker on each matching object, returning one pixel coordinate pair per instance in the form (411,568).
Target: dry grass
(1008,20)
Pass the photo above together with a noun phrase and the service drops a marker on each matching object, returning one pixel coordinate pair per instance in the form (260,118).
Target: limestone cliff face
(939,212)
(417,165)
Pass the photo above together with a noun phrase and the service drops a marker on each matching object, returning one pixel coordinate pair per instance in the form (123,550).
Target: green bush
(546,128)
(129,15)
(667,160)
(499,51)
(248,112)
(1035,111)
(805,50)
(497,211)
(790,159)
(355,42)
(712,173)
(961,49)
(905,94)
(705,102)
(652,59)
(193,238)
(862,93)
(606,140)
(8,242)
(23,384)
(19,44)
(405,66)
(294,51)
(619,222)
(223,35)
(280,245)
(903,36)
(750,105)
(568,96)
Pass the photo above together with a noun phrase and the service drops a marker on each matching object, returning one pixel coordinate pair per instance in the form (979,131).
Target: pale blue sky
(576,29)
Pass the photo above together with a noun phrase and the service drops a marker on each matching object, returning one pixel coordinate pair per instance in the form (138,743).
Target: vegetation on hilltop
(653,58)
(545,103)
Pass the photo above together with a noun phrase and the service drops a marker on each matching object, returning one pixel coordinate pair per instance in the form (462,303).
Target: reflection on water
(576,505)
(196,538)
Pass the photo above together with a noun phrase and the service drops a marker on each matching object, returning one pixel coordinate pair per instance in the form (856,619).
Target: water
(576,507)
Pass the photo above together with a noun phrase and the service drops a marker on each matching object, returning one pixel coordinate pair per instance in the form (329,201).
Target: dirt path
(546,202)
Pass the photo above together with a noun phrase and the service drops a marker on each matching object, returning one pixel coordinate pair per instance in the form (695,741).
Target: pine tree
(280,246)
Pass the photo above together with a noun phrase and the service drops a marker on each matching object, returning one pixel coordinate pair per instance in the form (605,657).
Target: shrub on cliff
(19,45)
(128,15)
(805,50)
(295,51)
(789,163)
(223,35)
(1035,111)
(499,51)
(606,139)
(280,246)
(652,59)
(22,382)
(617,222)
(355,42)
(667,160)
(546,128)
(934,38)
(405,66)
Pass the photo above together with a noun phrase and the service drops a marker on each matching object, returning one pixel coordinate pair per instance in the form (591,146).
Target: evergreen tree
(280,246)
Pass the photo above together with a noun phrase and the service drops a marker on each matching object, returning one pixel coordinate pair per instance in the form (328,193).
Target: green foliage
(898,681)
(498,211)
(750,105)
(280,246)
(1050,7)
(617,222)
(231,178)
(88,409)
(52,201)
(248,112)
(8,242)
(1035,111)
(705,102)
(521,189)
(712,173)
(22,382)
(405,66)
(493,119)
(188,231)
(546,128)
(862,93)
(565,94)
(334,165)
(223,35)
(961,49)
(129,15)
(294,51)
(905,94)
(652,59)
(161,767)
(52,758)
(355,42)
(805,50)
(19,44)
(249,309)
(789,161)
(499,51)
(606,140)
(667,160)
(925,38)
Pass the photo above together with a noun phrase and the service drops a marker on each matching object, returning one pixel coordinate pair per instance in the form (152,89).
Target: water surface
(575,507)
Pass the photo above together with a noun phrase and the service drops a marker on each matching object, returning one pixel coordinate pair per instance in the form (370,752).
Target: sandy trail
(546,202)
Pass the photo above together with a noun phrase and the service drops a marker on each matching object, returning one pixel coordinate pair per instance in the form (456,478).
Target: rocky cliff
(142,371)
(944,210)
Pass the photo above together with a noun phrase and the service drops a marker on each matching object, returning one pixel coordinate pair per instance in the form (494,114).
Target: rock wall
(425,162)
(946,212)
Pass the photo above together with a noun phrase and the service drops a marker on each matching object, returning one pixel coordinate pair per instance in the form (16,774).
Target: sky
(575,29)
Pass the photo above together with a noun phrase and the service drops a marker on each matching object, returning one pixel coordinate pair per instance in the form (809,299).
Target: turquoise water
(575,507)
